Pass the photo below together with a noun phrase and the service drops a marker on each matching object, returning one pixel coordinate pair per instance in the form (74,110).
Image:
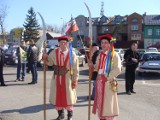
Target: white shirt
(65,53)
(101,71)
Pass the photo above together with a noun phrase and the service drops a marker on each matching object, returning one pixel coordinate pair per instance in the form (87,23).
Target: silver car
(150,62)
(80,57)
(11,56)
(120,51)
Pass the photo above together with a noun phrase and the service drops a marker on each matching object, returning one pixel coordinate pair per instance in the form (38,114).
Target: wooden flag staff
(90,70)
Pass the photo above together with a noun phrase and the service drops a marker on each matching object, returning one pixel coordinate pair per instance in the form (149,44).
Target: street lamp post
(22,37)
(11,36)
(62,30)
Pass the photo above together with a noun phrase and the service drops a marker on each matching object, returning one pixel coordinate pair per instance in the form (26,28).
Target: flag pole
(90,70)
(83,45)
(43,44)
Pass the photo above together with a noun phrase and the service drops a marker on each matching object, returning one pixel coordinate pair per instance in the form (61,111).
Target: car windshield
(50,46)
(117,50)
(151,50)
(82,51)
(77,52)
(11,50)
(151,56)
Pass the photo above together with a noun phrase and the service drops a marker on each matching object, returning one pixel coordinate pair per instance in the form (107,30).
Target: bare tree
(3,14)
(53,28)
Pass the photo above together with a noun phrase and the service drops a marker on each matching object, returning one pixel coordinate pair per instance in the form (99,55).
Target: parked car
(85,52)
(141,52)
(150,62)
(81,57)
(48,47)
(151,50)
(4,47)
(10,56)
(50,50)
(120,51)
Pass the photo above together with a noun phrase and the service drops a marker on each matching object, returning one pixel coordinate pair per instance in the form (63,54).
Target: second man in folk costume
(65,78)
(105,101)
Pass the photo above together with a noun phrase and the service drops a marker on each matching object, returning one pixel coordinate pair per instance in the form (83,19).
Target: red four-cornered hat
(106,36)
(66,38)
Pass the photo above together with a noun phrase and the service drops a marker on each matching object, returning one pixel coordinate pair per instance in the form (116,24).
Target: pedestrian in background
(22,58)
(1,67)
(132,58)
(32,56)
(28,65)
(95,53)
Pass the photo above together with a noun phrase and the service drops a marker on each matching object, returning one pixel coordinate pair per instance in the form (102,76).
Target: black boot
(60,115)
(70,114)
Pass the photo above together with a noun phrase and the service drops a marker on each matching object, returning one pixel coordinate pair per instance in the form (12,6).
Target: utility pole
(102,9)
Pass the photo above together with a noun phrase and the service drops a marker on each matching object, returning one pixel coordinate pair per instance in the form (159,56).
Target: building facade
(135,27)
(143,29)
(116,26)
(152,31)
(80,37)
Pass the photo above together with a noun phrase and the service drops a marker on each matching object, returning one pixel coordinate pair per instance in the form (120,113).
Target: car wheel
(39,64)
(140,73)
(15,62)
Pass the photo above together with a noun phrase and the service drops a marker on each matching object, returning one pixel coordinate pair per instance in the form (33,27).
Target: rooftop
(152,20)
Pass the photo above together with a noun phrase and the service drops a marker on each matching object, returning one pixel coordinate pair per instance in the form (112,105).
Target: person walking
(65,78)
(1,67)
(131,58)
(105,100)
(32,55)
(22,58)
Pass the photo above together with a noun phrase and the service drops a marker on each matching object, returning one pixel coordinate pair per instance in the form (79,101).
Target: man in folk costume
(108,66)
(65,78)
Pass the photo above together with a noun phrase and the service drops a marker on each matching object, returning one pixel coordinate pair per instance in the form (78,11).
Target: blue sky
(55,12)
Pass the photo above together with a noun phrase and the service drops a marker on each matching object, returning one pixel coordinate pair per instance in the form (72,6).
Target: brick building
(135,27)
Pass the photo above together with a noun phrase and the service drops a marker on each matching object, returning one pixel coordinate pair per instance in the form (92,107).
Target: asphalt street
(20,101)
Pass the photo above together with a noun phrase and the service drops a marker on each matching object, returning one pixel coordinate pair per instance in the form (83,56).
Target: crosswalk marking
(152,84)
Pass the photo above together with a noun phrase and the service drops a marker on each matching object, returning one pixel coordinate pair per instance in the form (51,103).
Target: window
(80,24)
(158,32)
(104,29)
(134,27)
(118,19)
(149,32)
(103,19)
(136,37)
(81,32)
(134,20)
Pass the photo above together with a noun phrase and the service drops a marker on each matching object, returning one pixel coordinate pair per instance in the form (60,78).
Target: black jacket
(94,57)
(32,54)
(129,54)
(1,57)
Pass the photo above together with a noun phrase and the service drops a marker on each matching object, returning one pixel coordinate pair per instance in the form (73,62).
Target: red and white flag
(71,26)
